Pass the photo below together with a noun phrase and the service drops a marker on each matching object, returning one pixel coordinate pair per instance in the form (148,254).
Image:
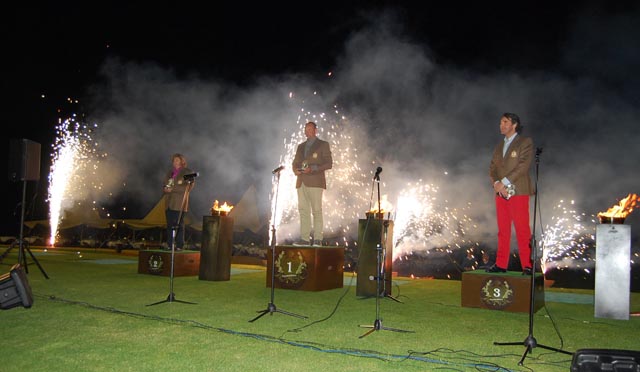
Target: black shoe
(496,269)
(301,243)
(317,243)
(527,271)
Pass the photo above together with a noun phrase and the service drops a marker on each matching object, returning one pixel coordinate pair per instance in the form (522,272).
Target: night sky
(61,52)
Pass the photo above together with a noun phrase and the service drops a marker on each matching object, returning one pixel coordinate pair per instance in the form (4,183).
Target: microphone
(378,171)
(278,169)
(190,176)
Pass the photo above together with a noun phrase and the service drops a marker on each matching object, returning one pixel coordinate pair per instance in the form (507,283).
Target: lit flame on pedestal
(386,206)
(622,209)
(225,208)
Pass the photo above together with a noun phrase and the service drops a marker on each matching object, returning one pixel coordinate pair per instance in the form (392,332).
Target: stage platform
(158,262)
(510,291)
(307,268)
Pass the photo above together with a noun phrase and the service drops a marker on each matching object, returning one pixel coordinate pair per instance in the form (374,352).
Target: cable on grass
(385,357)
(328,316)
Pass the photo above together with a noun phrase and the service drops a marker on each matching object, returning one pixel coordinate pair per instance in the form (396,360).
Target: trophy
(511,191)
(170,183)
(304,166)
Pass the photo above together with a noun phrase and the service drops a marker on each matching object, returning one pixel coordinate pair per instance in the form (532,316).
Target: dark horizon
(560,49)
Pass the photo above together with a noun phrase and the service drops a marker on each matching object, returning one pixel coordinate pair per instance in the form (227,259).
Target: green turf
(92,316)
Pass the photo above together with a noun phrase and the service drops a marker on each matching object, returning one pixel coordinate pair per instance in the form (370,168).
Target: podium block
(215,254)
(370,233)
(156,262)
(510,291)
(307,268)
(613,271)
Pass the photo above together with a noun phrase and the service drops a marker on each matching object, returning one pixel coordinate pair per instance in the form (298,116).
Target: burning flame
(622,209)
(386,206)
(221,208)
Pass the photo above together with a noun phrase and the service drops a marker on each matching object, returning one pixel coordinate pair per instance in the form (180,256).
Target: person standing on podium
(312,159)
(174,193)
(509,173)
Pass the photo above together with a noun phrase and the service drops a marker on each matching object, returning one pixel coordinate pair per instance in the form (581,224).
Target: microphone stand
(380,272)
(174,230)
(271,306)
(530,342)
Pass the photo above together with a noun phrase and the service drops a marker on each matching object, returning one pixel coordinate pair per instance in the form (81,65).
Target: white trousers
(310,204)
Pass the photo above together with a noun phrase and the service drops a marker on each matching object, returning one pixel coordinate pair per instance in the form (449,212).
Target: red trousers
(516,211)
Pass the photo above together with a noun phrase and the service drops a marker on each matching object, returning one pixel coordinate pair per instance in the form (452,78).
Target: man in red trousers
(509,172)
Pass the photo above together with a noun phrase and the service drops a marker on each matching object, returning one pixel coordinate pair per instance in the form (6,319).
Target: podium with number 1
(307,268)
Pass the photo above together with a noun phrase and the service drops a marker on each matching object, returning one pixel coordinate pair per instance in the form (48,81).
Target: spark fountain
(568,242)
(74,165)
(346,183)
(424,222)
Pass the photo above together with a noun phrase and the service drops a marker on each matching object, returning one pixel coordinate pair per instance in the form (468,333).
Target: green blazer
(173,199)
(319,157)
(514,165)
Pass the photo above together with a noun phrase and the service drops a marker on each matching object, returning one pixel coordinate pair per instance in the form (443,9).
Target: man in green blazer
(312,159)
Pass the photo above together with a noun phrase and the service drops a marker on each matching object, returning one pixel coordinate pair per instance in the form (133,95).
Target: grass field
(91,315)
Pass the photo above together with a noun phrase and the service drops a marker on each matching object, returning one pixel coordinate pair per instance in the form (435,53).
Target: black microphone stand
(380,273)
(530,342)
(271,306)
(174,233)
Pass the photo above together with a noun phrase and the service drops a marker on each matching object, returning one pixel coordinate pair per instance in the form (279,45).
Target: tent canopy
(80,214)
(156,218)
(245,215)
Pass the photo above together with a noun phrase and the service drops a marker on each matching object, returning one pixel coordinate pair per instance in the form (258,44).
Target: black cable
(555,326)
(335,309)
(386,357)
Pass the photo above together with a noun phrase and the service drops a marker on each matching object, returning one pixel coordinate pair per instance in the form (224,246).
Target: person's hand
(307,170)
(498,186)
(167,189)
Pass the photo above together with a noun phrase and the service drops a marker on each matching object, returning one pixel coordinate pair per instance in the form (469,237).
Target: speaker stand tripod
(271,306)
(21,243)
(174,232)
(530,342)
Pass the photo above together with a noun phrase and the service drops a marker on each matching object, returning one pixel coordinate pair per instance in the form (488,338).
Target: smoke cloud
(423,122)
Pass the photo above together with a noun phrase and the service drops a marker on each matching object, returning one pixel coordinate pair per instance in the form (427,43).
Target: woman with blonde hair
(176,199)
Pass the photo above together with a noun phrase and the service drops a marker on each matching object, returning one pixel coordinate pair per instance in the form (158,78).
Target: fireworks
(344,199)
(423,221)
(73,169)
(569,240)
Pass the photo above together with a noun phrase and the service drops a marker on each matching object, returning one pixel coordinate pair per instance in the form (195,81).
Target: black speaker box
(595,360)
(24,160)
(15,289)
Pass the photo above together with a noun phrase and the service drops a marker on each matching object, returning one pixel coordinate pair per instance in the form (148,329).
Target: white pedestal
(613,271)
